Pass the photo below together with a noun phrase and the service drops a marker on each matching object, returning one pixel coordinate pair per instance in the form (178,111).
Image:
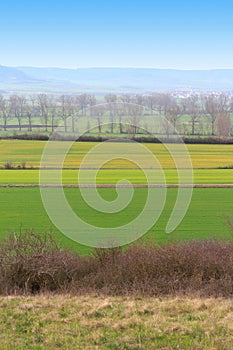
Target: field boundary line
(119,185)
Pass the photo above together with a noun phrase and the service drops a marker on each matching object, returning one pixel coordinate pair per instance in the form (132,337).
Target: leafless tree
(135,114)
(29,114)
(17,108)
(111,99)
(193,110)
(173,114)
(4,111)
(83,101)
(99,113)
(92,102)
(223,124)
(43,104)
(214,106)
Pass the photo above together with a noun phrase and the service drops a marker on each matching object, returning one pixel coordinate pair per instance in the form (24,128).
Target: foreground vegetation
(32,263)
(94,322)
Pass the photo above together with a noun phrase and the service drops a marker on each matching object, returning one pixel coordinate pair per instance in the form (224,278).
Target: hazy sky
(162,34)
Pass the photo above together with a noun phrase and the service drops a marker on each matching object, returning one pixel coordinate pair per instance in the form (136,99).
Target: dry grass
(93,322)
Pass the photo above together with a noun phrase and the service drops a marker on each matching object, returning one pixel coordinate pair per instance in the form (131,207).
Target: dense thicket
(31,263)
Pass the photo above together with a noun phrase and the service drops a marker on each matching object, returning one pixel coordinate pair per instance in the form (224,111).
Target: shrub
(8,165)
(31,263)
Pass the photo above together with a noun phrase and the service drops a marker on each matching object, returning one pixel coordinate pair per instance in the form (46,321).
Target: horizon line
(117,67)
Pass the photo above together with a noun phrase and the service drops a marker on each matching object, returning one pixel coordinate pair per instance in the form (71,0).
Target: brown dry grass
(94,322)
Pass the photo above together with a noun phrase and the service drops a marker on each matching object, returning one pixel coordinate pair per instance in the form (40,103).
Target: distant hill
(9,75)
(103,80)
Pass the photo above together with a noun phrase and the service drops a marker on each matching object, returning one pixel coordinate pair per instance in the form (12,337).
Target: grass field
(64,322)
(22,208)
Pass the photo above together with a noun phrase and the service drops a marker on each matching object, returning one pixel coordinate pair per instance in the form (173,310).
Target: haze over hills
(102,80)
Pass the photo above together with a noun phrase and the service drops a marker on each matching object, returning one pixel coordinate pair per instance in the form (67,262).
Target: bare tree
(4,111)
(43,104)
(53,111)
(99,113)
(193,110)
(92,102)
(17,108)
(111,100)
(126,100)
(163,102)
(135,114)
(64,109)
(173,114)
(214,106)
(223,124)
(29,114)
(83,101)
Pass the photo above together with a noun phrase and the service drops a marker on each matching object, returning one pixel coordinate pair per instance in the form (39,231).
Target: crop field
(108,176)
(22,208)
(202,156)
(206,161)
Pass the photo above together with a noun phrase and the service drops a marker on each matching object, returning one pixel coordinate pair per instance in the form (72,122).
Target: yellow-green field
(206,161)
(90,322)
(202,156)
(201,176)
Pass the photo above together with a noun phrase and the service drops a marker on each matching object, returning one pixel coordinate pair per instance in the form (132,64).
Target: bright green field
(201,176)
(22,208)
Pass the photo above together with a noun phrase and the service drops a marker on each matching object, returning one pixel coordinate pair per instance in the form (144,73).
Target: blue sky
(161,34)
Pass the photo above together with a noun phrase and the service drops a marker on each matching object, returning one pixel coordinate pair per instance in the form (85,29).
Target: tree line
(195,114)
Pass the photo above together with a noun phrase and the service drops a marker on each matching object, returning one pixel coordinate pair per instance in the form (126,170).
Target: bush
(39,137)
(8,165)
(31,263)
(12,166)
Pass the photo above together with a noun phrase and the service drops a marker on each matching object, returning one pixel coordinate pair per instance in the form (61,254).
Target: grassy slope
(205,217)
(89,322)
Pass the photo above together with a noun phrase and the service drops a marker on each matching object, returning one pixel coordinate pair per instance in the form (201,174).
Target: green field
(201,176)
(21,208)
